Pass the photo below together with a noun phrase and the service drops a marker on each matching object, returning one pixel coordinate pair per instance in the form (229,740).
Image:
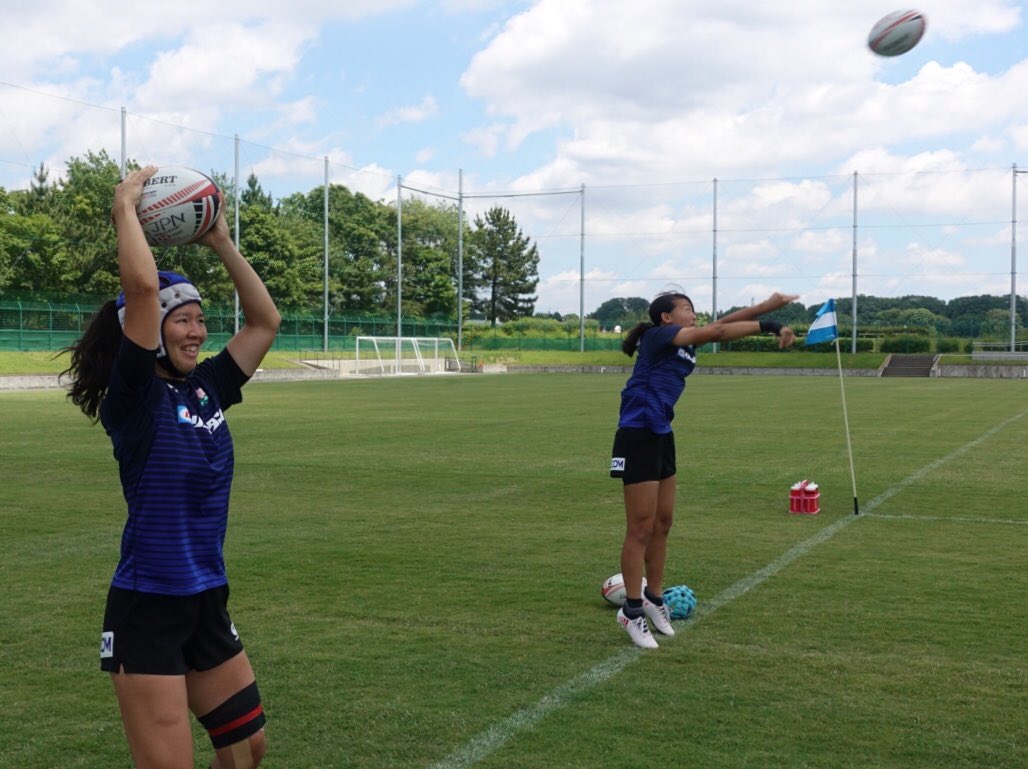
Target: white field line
(497,735)
(947,519)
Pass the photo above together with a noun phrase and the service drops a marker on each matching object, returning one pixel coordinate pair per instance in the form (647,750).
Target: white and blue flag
(824,328)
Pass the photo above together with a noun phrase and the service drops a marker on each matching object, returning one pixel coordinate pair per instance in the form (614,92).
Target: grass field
(49,363)
(416,565)
(41,362)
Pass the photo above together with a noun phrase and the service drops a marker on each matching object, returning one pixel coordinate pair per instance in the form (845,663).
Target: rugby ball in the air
(896,33)
(613,590)
(178,206)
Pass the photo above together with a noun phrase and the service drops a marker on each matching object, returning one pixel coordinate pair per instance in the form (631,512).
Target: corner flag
(824,328)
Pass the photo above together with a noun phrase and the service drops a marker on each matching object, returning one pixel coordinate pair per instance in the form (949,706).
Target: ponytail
(92,357)
(631,342)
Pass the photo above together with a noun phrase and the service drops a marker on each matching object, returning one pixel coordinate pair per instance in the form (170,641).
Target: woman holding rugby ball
(643,456)
(168,641)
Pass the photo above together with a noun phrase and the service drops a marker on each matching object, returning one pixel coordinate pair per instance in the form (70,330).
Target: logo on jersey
(235,633)
(212,424)
(617,464)
(202,396)
(106,645)
(684,355)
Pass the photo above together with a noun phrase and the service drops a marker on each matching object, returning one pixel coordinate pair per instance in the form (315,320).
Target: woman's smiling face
(185,331)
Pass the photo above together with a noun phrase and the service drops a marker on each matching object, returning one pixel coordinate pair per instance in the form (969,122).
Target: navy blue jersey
(657,380)
(175,455)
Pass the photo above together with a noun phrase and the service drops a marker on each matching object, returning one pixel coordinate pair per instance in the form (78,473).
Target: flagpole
(825,328)
(846,421)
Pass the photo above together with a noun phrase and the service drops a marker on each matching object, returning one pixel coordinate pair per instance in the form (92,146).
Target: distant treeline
(57,238)
(966,316)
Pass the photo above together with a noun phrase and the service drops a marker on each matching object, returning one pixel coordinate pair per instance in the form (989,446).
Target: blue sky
(644,104)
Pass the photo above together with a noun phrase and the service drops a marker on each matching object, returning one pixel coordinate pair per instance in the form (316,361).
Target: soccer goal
(396,355)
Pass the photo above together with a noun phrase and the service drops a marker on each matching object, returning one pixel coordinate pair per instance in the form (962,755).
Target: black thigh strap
(238,717)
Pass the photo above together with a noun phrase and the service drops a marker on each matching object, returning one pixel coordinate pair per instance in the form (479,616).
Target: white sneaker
(659,616)
(637,630)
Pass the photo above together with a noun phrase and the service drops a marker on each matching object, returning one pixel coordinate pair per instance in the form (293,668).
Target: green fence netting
(27,325)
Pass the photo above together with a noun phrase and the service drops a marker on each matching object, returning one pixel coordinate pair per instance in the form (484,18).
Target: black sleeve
(127,411)
(131,383)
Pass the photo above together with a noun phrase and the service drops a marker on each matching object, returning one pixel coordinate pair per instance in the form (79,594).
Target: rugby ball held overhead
(896,33)
(178,206)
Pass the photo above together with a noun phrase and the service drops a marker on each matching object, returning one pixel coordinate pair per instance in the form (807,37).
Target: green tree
(309,240)
(40,196)
(429,259)
(273,252)
(6,211)
(33,255)
(793,314)
(997,323)
(631,309)
(506,266)
(968,314)
(918,316)
(359,230)
(254,194)
(82,212)
(977,305)
(869,308)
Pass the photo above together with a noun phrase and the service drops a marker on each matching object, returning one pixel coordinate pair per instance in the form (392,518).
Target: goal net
(395,355)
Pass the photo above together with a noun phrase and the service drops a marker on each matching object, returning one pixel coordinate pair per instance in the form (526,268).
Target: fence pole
(325,300)
(124,154)
(853,348)
(460,259)
(399,266)
(713,288)
(1013,261)
(235,293)
(581,288)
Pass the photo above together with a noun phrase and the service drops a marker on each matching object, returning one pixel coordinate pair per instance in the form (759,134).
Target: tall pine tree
(506,267)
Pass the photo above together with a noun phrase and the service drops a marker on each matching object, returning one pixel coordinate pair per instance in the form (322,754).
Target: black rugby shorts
(167,634)
(641,455)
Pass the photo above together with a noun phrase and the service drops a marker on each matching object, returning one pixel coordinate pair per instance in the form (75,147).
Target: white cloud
(485,138)
(955,20)
(559,292)
(215,68)
(463,6)
(36,34)
(820,242)
(1019,133)
(417,113)
(660,91)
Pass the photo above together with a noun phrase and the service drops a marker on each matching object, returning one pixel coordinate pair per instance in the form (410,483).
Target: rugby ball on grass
(178,206)
(897,33)
(613,590)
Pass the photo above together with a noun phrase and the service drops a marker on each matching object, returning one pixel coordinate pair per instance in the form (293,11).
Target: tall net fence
(48,325)
(43,325)
(925,226)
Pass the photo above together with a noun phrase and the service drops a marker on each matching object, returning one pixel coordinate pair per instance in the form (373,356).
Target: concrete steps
(910,365)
